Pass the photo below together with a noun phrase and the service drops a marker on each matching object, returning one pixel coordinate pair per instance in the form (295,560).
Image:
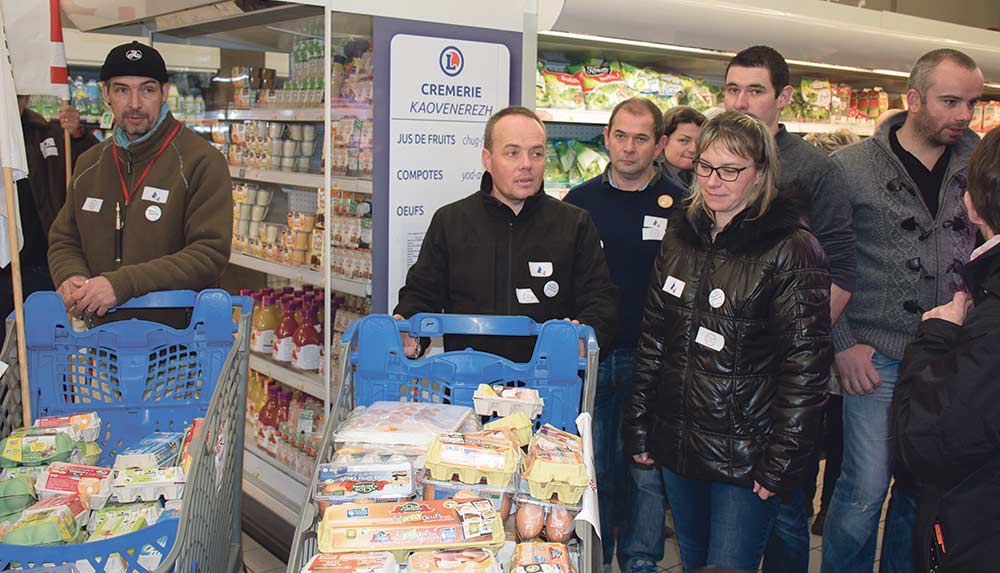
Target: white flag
(11,147)
(38,55)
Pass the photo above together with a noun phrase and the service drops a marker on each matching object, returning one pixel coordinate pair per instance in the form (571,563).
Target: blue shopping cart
(141,377)
(373,367)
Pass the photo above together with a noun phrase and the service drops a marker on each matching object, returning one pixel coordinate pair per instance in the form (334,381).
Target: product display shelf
(309,382)
(303,114)
(351,286)
(314,180)
(352,184)
(601,118)
(254,449)
(272,487)
(292,273)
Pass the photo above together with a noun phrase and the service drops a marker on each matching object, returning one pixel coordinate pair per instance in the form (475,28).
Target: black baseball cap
(134,59)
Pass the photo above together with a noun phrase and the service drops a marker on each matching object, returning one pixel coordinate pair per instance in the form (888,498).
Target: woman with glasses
(734,352)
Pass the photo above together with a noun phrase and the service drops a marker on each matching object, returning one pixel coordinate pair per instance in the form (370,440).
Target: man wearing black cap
(149,208)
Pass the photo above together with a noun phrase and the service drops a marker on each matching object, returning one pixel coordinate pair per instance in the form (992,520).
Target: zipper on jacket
(692,334)
(510,266)
(128,162)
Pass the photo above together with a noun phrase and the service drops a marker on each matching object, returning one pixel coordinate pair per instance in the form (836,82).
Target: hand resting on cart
(91,296)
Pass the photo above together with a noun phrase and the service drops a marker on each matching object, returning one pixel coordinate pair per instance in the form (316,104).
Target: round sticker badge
(665,201)
(717,298)
(551,289)
(153,213)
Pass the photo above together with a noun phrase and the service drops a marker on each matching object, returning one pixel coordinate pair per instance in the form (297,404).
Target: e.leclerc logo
(451,61)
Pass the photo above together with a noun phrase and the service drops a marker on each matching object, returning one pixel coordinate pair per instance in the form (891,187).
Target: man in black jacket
(41,194)
(510,249)
(946,406)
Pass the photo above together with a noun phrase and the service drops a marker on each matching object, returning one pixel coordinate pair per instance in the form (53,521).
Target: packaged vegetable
(818,97)
(31,448)
(563,90)
(491,455)
(541,93)
(555,466)
(405,423)
(376,482)
(147,484)
(92,483)
(16,494)
(55,527)
(590,162)
(373,562)
(409,526)
(164,447)
(453,561)
(555,175)
(540,557)
(603,84)
(80,427)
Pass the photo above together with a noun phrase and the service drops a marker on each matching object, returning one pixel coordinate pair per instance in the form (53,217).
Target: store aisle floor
(256,559)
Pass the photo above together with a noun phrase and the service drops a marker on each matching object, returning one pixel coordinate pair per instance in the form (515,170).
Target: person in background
(630,203)
(681,126)
(149,208)
(734,351)
(511,249)
(906,185)
(757,82)
(833,426)
(946,406)
(41,194)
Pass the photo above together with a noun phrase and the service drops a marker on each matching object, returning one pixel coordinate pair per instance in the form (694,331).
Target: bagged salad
(603,84)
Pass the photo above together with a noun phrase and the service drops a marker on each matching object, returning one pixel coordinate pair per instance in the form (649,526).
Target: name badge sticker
(540,269)
(526,296)
(93,204)
(655,222)
(710,339)
(674,286)
(155,194)
(653,234)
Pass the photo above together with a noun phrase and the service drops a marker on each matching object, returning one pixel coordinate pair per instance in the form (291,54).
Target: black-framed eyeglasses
(725,173)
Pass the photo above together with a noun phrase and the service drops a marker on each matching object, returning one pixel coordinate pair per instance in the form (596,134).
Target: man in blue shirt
(630,203)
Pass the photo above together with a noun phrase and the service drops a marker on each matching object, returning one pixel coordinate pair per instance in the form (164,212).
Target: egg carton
(527,401)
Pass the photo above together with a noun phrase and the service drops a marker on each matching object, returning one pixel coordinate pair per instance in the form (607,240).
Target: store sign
(442,92)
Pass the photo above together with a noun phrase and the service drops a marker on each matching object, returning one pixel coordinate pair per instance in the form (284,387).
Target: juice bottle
(269,420)
(282,350)
(304,303)
(307,342)
(287,290)
(265,320)
(883,101)
(285,403)
(308,288)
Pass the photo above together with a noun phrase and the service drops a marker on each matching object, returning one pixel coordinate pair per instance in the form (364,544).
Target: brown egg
(529,520)
(559,525)
(428,491)
(505,507)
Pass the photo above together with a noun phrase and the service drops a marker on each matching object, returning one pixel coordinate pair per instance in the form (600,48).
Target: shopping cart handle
(434,325)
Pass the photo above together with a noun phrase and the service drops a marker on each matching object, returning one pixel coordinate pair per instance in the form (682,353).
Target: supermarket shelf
(352,184)
(250,446)
(313,180)
(304,114)
(601,118)
(351,286)
(309,382)
(272,488)
(300,274)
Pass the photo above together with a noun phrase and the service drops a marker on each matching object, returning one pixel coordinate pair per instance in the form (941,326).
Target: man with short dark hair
(149,208)
(757,83)
(511,249)
(630,204)
(906,184)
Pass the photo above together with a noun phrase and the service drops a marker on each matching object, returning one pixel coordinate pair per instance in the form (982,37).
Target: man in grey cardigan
(905,186)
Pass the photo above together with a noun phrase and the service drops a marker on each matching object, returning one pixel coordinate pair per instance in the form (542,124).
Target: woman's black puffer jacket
(734,351)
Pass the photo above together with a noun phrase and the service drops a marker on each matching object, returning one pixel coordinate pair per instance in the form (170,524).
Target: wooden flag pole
(15,274)
(67,152)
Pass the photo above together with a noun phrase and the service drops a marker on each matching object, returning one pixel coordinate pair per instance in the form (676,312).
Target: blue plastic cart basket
(141,377)
(374,368)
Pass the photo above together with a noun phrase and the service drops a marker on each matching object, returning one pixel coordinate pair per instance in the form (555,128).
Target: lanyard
(121,177)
